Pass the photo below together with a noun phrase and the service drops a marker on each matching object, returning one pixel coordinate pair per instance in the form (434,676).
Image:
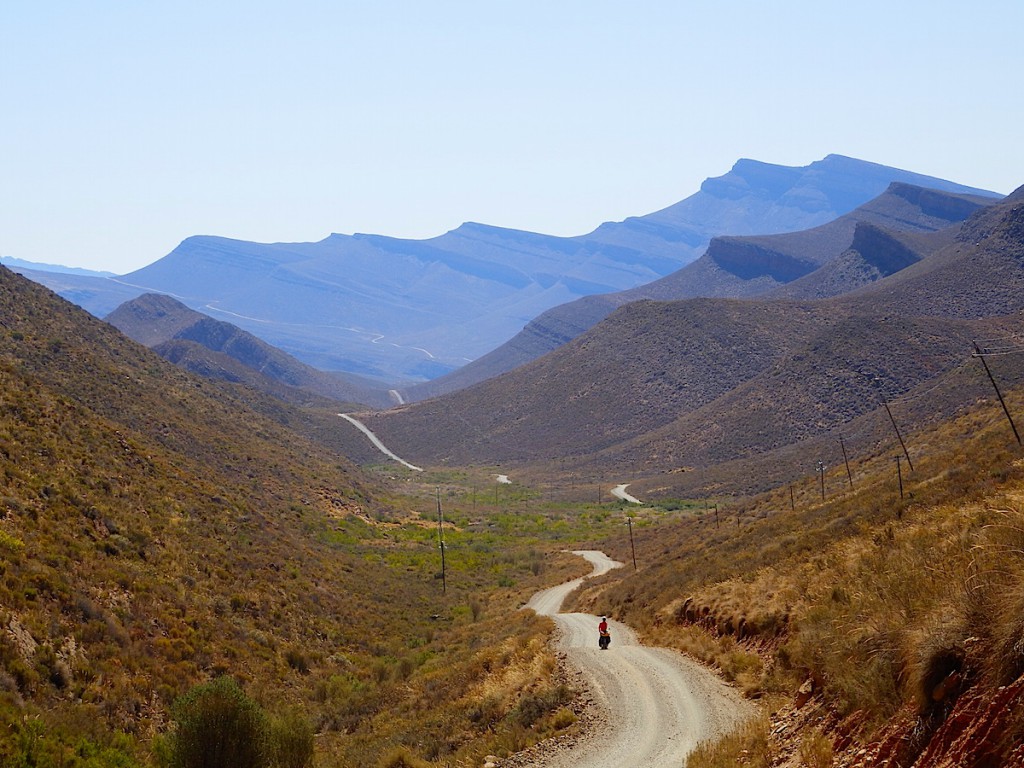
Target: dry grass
(749,745)
(157,532)
(881,602)
(815,750)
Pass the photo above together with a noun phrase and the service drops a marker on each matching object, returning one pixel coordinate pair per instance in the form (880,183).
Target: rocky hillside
(658,387)
(158,531)
(827,260)
(875,624)
(215,349)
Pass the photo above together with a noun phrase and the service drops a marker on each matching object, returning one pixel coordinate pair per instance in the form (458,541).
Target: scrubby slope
(873,627)
(155,531)
(883,235)
(662,386)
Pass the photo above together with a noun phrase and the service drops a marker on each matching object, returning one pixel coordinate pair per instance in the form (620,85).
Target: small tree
(291,740)
(218,726)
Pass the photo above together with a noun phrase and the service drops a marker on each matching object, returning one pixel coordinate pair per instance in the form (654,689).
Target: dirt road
(657,704)
(619,492)
(377,442)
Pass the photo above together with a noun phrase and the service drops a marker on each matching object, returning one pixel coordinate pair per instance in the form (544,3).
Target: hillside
(404,310)
(749,266)
(875,624)
(157,532)
(215,349)
(97,294)
(893,230)
(659,387)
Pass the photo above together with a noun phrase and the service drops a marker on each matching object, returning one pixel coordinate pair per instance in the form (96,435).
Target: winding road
(658,704)
(619,492)
(377,442)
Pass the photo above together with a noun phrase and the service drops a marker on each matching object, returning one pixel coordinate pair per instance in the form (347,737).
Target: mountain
(215,349)
(416,309)
(657,387)
(98,294)
(156,531)
(19,265)
(888,233)
(761,264)
(159,531)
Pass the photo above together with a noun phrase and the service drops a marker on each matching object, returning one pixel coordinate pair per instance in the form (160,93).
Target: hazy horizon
(131,128)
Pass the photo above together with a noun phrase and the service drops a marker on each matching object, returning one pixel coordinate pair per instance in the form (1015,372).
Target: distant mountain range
(413,310)
(18,265)
(658,389)
(878,238)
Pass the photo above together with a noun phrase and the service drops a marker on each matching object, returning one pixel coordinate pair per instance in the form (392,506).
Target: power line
(912,395)
(999,394)
(989,352)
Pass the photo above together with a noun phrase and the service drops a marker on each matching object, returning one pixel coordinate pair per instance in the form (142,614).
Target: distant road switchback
(656,704)
(377,442)
(619,492)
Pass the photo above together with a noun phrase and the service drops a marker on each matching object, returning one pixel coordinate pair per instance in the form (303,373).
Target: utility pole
(629,522)
(821,473)
(846,459)
(980,356)
(899,473)
(792,498)
(440,543)
(898,435)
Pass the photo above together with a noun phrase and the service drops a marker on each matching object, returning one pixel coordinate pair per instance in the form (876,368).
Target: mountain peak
(1016,196)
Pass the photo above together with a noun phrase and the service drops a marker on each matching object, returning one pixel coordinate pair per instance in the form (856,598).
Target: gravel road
(652,705)
(377,441)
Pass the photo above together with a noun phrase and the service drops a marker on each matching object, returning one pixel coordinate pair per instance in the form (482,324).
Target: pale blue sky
(128,126)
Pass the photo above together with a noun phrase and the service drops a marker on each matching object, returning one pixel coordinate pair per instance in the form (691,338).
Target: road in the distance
(377,442)
(658,704)
(619,492)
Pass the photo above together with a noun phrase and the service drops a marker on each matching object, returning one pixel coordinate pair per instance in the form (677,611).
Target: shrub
(291,741)
(748,745)
(297,660)
(563,718)
(938,646)
(10,545)
(218,725)
(816,750)
(1008,631)
(534,706)
(400,757)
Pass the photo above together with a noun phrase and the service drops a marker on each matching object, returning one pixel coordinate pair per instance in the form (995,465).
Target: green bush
(218,725)
(291,741)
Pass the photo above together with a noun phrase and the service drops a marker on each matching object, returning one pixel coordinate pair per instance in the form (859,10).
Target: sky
(127,126)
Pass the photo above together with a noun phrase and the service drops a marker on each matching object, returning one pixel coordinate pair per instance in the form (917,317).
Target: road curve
(619,492)
(658,704)
(377,442)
